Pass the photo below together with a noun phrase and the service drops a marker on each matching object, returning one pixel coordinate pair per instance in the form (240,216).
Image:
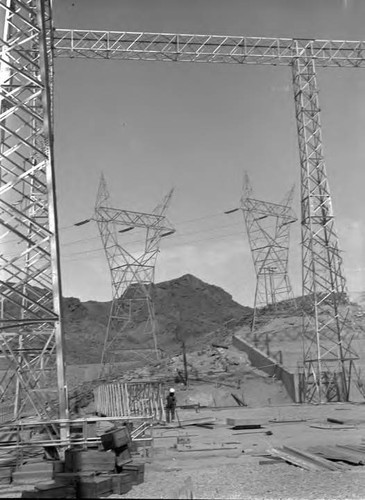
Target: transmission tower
(31,335)
(268,227)
(132,275)
(328,358)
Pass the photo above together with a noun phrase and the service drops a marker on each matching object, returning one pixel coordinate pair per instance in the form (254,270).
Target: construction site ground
(234,470)
(225,463)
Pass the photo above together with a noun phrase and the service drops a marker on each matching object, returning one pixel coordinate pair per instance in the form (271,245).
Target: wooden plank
(356,447)
(288,457)
(333,427)
(320,462)
(220,448)
(235,422)
(355,453)
(287,421)
(201,420)
(271,461)
(246,427)
(262,431)
(335,421)
(341,455)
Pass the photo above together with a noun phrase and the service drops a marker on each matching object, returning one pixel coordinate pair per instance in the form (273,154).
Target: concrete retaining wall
(268,365)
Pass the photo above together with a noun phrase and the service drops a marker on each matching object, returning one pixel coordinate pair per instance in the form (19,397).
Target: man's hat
(172,390)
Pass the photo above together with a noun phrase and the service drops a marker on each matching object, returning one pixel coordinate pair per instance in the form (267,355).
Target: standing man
(170,406)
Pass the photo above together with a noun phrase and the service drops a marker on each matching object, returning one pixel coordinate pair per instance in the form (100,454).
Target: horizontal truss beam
(205,48)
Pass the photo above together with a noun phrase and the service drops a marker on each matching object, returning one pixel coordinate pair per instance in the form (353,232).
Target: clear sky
(150,126)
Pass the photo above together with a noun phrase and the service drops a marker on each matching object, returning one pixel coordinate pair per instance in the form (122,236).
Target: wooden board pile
(87,473)
(326,457)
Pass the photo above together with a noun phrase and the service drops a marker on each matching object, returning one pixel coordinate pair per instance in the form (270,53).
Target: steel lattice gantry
(32,378)
(132,273)
(327,355)
(31,326)
(268,228)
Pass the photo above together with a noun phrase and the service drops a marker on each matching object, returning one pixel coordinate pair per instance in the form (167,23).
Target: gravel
(246,479)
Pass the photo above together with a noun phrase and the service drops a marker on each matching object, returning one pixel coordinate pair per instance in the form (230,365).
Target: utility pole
(186,376)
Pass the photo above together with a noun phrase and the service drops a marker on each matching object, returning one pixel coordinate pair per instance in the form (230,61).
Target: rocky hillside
(186,309)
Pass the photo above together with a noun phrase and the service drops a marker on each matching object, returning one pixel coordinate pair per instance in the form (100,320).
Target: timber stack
(86,473)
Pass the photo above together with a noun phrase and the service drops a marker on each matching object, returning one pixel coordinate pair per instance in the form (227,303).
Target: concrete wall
(268,365)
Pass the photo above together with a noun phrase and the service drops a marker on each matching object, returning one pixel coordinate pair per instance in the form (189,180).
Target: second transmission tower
(268,226)
(132,275)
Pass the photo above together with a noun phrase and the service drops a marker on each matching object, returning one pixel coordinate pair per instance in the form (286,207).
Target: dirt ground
(224,463)
(236,472)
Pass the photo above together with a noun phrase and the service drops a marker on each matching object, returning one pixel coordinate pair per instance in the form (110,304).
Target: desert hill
(205,317)
(186,309)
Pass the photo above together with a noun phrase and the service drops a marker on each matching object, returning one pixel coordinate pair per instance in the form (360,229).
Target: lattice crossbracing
(205,48)
(132,273)
(30,329)
(268,229)
(328,357)
(31,325)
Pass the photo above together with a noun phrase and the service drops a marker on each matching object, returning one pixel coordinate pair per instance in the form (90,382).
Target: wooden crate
(95,487)
(137,471)
(122,456)
(116,439)
(89,460)
(121,483)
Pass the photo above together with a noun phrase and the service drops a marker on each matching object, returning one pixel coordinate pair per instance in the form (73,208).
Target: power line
(183,243)
(139,241)
(179,235)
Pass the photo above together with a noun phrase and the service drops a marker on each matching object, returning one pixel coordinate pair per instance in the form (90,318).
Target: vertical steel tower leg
(132,275)
(327,353)
(31,335)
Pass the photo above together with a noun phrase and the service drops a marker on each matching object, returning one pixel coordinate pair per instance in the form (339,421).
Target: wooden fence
(130,399)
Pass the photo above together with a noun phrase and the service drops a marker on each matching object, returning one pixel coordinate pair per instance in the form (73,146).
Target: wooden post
(185,364)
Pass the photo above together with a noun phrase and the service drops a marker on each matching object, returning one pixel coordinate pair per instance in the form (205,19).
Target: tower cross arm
(205,48)
(268,209)
(132,219)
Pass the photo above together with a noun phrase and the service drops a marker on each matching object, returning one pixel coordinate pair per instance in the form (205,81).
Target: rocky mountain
(187,309)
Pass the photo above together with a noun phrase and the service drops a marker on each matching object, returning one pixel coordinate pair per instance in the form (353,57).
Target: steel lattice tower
(31,320)
(328,357)
(268,231)
(31,340)
(132,275)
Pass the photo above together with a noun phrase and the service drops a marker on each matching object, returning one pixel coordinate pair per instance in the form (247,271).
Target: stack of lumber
(86,473)
(337,457)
